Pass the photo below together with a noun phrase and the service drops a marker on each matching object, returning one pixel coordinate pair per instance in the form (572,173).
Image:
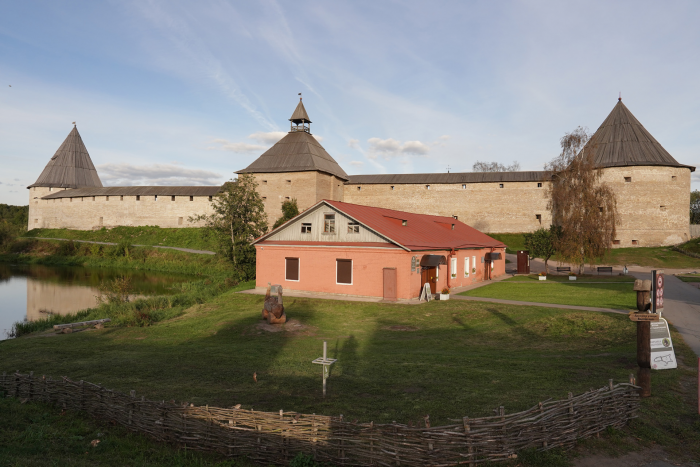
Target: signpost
(326,362)
(657,290)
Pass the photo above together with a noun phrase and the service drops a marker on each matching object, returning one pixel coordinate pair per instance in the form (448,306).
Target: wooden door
(523,262)
(428,275)
(390,284)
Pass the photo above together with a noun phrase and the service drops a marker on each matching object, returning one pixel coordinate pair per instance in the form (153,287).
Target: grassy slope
(33,433)
(610,295)
(565,278)
(514,241)
(463,358)
(185,238)
(693,246)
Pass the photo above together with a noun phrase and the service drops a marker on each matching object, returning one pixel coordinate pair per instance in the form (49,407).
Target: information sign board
(662,355)
(657,290)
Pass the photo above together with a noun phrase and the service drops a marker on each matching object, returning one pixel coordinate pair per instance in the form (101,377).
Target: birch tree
(581,203)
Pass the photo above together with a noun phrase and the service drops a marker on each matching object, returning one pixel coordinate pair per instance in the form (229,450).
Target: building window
(93,198)
(329,223)
(453,267)
(427,187)
(628,179)
(353,227)
(616,242)
(404,222)
(635,242)
(291,268)
(343,271)
(306,228)
(455,218)
(155,198)
(289,182)
(210,197)
(392,187)
(673,178)
(179,221)
(453,226)
(600,208)
(663,208)
(466,266)
(287,198)
(539,184)
(264,182)
(500,185)
(264,198)
(138,197)
(172,198)
(464,186)
(359,188)
(121,197)
(191,198)
(539,218)
(50,189)
(106,198)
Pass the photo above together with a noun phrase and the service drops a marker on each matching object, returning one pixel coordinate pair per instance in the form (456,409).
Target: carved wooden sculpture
(273,308)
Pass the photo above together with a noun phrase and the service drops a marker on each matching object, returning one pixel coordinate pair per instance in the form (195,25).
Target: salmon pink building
(348,249)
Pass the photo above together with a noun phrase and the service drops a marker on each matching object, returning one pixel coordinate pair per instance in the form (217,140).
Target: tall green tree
(695,207)
(541,243)
(290,210)
(238,218)
(582,204)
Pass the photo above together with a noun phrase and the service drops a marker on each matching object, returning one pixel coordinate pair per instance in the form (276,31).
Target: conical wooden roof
(300,115)
(622,141)
(298,151)
(70,167)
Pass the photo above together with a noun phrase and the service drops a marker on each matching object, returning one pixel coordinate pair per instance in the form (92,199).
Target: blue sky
(182,92)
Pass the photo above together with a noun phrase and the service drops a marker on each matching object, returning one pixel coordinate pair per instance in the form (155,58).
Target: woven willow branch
(273,437)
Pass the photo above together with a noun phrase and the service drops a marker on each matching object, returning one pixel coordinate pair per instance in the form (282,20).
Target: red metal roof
(421,232)
(334,244)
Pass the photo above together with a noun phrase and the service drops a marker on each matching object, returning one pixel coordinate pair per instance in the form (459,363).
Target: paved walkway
(546,305)
(186,250)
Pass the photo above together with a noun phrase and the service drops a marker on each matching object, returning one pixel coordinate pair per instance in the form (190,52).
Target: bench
(564,269)
(605,269)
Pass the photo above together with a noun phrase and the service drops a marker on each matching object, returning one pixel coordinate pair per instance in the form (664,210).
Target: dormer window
(306,228)
(404,222)
(329,223)
(353,227)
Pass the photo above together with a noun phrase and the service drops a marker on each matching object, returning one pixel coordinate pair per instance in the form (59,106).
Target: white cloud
(227,145)
(155,174)
(354,143)
(267,137)
(357,163)
(318,138)
(390,147)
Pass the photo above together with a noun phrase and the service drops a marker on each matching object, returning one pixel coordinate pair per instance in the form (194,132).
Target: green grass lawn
(692,246)
(579,279)
(395,362)
(514,241)
(662,257)
(150,235)
(608,295)
(689,277)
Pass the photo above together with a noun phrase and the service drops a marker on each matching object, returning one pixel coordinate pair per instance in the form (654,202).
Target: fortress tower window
(464,186)
(663,208)
(286,198)
(191,198)
(455,217)
(306,228)
(427,187)
(210,198)
(539,218)
(93,198)
(539,184)
(600,209)
(121,197)
(329,223)
(106,198)
(155,198)
(616,242)
(635,242)
(264,198)
(353,227)
(673,178)
(264,182)
(359,188)
(50,189)
(392,187)
(138,197)
(500,185)
(172,198)
(289,182)
(628,179)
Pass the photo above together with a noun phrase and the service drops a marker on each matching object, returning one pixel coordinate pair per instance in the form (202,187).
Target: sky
(186,93)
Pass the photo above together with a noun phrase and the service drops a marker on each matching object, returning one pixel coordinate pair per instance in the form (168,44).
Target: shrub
(66,248)
(95,249)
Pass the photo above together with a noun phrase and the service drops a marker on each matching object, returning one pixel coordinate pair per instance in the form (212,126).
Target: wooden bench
(68,328)
(605,269)
(564,269)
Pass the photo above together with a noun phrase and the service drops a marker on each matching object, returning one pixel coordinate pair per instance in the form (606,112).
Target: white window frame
(474,263)
(353,227)
(453,267)
(352,273)
(328,232)
(466,266)
(298,271)
(304,225)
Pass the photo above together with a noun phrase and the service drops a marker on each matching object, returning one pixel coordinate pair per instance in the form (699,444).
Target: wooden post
(644,358)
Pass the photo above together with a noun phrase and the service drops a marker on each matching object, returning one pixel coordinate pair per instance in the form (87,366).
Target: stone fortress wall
(94,212)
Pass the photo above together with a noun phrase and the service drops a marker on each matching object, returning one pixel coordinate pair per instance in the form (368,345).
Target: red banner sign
(657,277)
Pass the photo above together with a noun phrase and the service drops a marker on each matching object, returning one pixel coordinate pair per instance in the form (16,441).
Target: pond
(33,292)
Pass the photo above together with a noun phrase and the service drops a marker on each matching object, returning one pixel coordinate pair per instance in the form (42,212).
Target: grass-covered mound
(189,237)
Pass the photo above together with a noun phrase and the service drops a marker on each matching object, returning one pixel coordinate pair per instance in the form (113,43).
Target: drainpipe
(490,263)
(449,268)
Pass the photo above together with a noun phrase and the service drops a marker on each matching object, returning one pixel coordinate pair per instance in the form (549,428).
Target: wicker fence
(272,437)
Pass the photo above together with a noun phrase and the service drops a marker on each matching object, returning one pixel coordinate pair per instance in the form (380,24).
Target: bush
(66,248)
(95,249)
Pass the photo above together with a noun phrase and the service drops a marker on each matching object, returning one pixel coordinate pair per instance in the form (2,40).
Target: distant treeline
(15,215)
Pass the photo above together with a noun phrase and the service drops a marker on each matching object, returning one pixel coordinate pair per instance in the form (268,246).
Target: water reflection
(31,292)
